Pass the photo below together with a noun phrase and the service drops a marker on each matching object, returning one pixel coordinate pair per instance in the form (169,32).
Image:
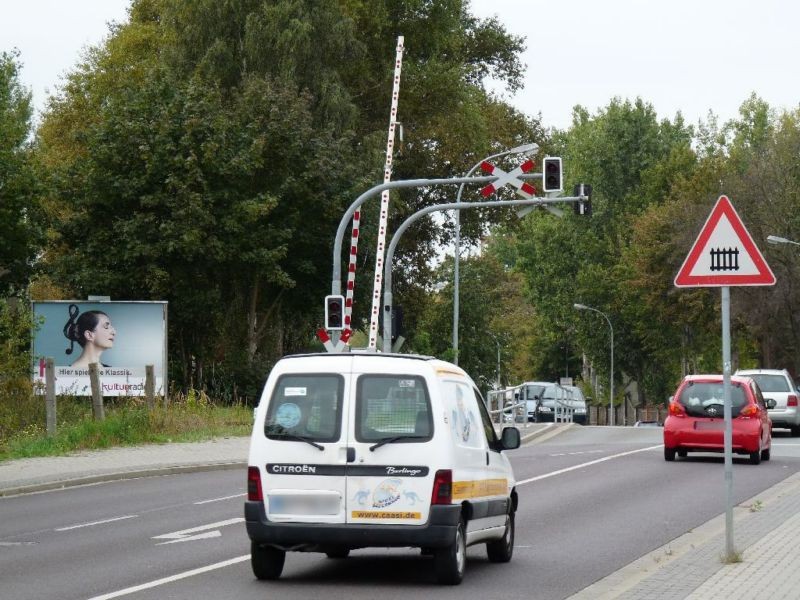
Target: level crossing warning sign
(724,254)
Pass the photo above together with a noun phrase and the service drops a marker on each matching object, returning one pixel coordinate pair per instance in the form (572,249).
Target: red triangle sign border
(723,207)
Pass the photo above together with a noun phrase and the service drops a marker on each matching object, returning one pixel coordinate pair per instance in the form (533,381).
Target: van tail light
(254,492)
(791,400)
(442,487)
(751,410)
(676,410)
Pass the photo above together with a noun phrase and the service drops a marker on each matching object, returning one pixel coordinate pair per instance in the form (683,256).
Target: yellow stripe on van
(479,488)
(443,371)
(382,514)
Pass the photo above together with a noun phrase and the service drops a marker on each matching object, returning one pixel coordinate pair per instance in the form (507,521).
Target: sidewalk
(53,472)
(766,527)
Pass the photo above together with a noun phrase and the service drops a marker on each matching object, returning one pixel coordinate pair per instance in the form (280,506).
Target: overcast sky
(687,55)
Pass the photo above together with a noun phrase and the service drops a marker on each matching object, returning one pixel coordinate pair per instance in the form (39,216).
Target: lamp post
(775,240)
(457,239)
(611,387)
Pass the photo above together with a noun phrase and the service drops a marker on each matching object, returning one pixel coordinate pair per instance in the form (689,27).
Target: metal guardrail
(517,414)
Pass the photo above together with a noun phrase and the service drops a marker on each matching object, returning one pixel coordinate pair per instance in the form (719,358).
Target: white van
(357,450)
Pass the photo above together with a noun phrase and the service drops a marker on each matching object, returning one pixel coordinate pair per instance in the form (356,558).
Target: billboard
(122,337)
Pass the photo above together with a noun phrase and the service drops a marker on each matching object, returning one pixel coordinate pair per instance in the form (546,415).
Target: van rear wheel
(266,561)
(501,551)
(450,562)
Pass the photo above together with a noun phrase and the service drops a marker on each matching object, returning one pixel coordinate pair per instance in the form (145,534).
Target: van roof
(361,353)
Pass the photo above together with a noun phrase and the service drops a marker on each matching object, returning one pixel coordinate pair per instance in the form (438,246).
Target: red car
(696,420)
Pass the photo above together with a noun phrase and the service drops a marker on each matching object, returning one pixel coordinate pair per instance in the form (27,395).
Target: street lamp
(775,240)
(457,240)
(611,397)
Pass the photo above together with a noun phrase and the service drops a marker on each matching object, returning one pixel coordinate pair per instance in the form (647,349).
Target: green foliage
(18,235)
(19,408)
(189,417)
(205,153)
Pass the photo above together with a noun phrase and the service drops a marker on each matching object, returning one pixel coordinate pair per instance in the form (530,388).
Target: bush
(20,409)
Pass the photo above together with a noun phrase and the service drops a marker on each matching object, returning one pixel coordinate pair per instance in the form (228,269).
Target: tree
(210,148)
(18,237)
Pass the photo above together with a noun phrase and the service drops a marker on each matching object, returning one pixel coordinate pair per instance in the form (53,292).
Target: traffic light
(334,312)
(583,207)
(551,174)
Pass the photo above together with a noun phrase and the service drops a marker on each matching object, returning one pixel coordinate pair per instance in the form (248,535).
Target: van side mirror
(509,439)
(771,403)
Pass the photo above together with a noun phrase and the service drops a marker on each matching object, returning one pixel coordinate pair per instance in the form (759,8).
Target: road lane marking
(93,523)
(184,535)
(221,499)
(587,464)
(171,578)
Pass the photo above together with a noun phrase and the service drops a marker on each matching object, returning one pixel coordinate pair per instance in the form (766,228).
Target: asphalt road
(591,501)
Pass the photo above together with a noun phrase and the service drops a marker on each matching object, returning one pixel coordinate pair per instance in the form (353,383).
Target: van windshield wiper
(302,438)
(396,438)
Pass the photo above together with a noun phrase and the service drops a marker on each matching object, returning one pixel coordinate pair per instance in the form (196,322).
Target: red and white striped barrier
(382,224)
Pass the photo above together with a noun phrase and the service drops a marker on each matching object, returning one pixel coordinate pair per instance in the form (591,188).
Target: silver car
(778,385)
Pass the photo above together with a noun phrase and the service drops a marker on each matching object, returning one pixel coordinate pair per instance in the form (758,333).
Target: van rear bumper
(439,532)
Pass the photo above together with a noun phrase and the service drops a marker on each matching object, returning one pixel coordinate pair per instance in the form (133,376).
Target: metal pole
(498,362)
(611,386)
(457,239)
(387,278)
(726,387)
(611,383)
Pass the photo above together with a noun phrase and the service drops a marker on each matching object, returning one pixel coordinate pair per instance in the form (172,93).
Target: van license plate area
(303,504)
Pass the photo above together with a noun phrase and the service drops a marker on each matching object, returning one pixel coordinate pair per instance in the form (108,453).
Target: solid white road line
(170,579)
(93,523)
(220,499)
(587,464)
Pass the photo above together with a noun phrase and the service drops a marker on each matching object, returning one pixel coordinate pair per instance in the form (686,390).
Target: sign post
(723,255)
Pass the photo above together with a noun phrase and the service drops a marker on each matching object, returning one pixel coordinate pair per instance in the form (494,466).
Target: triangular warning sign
(724,254)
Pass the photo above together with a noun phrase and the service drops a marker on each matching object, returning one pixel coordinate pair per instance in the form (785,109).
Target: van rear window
(307,406)
(389,406)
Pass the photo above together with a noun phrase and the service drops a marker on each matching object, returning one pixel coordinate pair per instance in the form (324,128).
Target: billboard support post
(50,396)
(150,387)
(97,396)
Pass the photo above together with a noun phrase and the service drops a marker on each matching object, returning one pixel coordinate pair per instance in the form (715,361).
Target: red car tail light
(442,487)
(254,492)
(676,410)
(751,410)
(791,400)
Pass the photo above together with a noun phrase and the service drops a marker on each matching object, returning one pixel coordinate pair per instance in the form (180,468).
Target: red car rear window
(706,399)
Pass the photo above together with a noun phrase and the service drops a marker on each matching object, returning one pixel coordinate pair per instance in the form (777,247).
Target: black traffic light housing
(552,175)
(583,207)
(334,312)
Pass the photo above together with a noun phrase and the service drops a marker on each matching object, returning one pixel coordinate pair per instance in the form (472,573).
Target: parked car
(778,385)
(578,403)
(533,392)
(358,450)
(696,420)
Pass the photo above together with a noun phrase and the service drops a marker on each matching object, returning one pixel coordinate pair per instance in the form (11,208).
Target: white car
(364,450)
(778,385)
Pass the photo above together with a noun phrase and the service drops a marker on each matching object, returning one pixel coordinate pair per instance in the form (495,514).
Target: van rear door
(391,427)
(306,449)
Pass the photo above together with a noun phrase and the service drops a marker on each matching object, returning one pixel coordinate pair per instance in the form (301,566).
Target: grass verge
(128,422)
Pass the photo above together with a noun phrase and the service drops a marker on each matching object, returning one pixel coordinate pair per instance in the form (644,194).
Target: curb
(118,476)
